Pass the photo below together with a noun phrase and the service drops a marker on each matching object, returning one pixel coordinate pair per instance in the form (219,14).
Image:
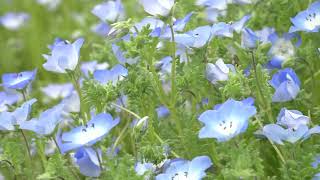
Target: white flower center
(180,176)
(283,48)
(312,20)
(228,127)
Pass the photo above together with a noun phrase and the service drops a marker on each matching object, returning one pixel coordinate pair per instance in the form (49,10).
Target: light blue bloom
(227,120)
(50,4)
(196,38)
(249,39)
(102,29)
(239,25)
(90,66)
(164,65)
(111,11)
(46,123)
(218,71)
(278,134)
(292,118)
(18,80)
(7,98)
(183,169)
(117,73)
(286,84)
(87,160)
(142,168)
(157,7)
(64,56)
(9,119)
(121,56)
(264,34)
(307,20)
(180,24)
(162,112)
(214,4)
(221,29)
(14,21)
(71,103)
(282,48)
(95,130)
(56,91)
(212,14)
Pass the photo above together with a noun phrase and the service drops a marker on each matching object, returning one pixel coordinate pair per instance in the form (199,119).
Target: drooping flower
(142,168)
(157,7)
(117,73)
(111,11)
(71,103)
(64,56)
(183,169)
(13,21)
(282,48)
(286,84)
(56,91)
(221,29)
(278,134)
(18,80)
(91,66)
(292,118)
(218,71)
(87,160)
(101,29)
(264,34)
(9,119)
(196,38)
(46,122)
(249,39)
(307,20)
(239,25)
(95,130)
(226,120)
(8,97)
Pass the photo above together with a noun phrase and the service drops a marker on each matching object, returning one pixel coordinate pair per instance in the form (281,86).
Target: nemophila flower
(264,34)
(117,73)
(239,25)
(71,103)
(56,91)
(212,14)
(46,122)
(227,120)
(87,160)
(292,118)
(95,130)
(178,26)
(282,48)
(164,65)
(221,29)
(64,56)
(278,134)
(249,39)
(90,66)
(307,20)
(217,4)
(196,38)
(18,80)
(162,112)
(14,21)
(9,119)
(7,98)
(142,168)
(183,169)
(157,7)
(50,4)
(218,71)
(109,11)
(286,84)
(101,29)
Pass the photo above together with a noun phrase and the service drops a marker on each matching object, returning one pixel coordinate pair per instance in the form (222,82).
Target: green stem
(26,143)
(162,142)
(122,133)
(99,159)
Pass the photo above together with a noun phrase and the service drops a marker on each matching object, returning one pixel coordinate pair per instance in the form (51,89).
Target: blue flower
(307,20)
(18,80)
(292,118)
(278,134)
(114,75)
(180,24)
(157,7)
(64,56)
(264,34)
(162,112)
(71,103)
(184,169)
(121,56)
(56,91)
(91,66)
(50,4)
(109,11)
(249,39)
(142,168)
(196,38)
(46,122)
(102,29)
(7,98)
(13,21)
(286,84)
(239,25)
(221,29)
(95,130)
(9,119)
(87,160)
(282,48)
(219,71)
(164,65)
(226,120)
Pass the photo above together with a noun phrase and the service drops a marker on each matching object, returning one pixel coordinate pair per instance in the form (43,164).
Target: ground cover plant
(159,89)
